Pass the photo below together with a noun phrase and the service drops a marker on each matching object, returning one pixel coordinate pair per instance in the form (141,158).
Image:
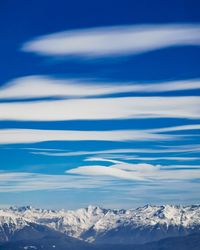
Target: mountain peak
(20,208)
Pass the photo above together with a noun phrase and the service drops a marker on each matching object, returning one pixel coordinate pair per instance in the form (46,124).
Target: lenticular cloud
(112,41)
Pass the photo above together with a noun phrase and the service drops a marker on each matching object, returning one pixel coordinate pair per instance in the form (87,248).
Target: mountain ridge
(107,226)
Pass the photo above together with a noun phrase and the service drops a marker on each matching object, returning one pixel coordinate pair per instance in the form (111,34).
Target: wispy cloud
(111,41)
(171,158)
(46,86)
(103,177)
(111,158)
(11,136)
(176,128)
(142,171)
(102,108)
(97,170)
(125,192)
(173,149)
(24,181)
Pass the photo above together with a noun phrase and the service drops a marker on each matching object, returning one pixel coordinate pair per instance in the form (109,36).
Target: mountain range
(148,227)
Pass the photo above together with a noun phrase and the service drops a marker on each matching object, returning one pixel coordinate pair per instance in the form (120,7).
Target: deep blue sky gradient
(21,21)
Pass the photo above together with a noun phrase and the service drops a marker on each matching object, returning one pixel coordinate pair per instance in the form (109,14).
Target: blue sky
(99,103)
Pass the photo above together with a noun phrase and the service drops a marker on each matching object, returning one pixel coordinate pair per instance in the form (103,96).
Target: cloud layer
(117,40)
(46,86)
(175,149)
(10,136)
(140,172)
(100,176)
(103,165)
(26,181)
(102,108)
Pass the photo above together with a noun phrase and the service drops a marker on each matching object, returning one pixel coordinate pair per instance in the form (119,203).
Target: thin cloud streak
(24,181)
(173,158)
(9,136)
(12,136)
(142,167)
(46,86)
(112,41)
(178,149)
(111,158)
(102,108)
(176,128)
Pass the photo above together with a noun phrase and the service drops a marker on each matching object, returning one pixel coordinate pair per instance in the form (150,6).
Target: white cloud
(118,40)
(176,128)
(173,158)
(140,167)
(111,158)
(177,149)
(142,171)
(102,108)
(45,86)
(101,159)
(10,136)
(96,170)
(24,181)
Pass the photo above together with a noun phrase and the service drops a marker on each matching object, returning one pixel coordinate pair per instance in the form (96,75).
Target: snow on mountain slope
(105,225)
(73,223)
(9,224)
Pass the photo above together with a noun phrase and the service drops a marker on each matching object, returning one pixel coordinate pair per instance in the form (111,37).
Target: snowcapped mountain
(97,225)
